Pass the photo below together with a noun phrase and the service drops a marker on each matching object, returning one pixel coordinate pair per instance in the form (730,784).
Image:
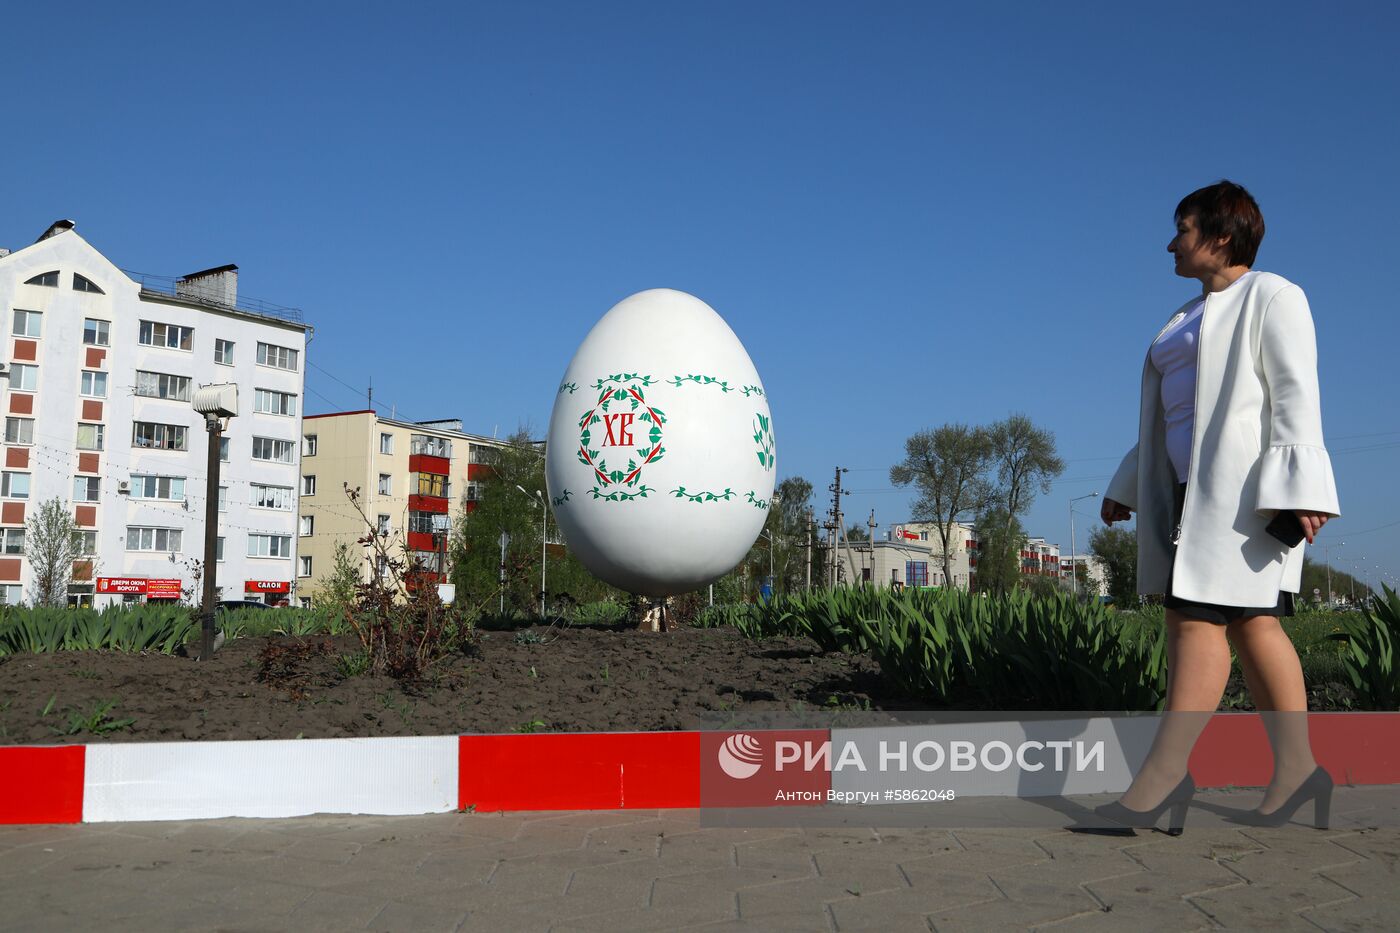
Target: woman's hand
(1312,522)
(1111,511)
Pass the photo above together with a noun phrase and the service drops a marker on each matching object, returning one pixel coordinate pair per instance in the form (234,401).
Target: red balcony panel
(479,470)
(9,570)
(471,507)
(12,513)
(22,404)
(427,463)
(95,358)
(422,541)
(17,457)
(26,351)
(92,411)
(427,504)
(88,463)
(85,516)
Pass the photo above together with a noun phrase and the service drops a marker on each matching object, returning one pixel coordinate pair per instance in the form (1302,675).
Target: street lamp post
(544,540)
(1073,555)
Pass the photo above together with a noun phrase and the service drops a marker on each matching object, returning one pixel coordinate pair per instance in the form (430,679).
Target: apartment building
(411,477)
(911,554)
(100,367)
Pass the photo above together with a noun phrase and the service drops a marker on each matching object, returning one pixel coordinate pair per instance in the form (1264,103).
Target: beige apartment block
(414,479)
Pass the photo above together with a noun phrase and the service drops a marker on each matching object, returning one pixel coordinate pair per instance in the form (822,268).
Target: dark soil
(569,680)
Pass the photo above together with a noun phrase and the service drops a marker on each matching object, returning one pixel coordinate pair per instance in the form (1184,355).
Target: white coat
(1256,448)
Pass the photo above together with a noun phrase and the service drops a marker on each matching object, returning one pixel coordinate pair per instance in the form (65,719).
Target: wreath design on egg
(618,395)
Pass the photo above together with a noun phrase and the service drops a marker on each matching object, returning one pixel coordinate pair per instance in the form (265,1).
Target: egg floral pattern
(620,414)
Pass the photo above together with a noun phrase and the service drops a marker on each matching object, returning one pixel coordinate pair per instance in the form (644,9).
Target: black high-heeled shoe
(1317,788)
(1178,801)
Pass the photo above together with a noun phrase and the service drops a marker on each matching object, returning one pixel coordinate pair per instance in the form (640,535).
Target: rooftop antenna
(371,393)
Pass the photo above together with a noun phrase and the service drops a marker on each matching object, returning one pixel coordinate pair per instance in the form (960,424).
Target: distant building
(1089,573)
(911,554)
(100,367)
(414,478)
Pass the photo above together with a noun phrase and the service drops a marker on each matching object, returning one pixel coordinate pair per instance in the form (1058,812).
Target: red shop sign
(162,589)
(124,585)
(267,586)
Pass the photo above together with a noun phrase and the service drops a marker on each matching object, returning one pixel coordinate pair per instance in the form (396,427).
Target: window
(219,548)
(94,384)
(223,351)
(269,545)
(11,594)
(473,492)
(386,443)
(269,402)
(24,377)
(308,445)
(223,449)
(139,538)
(381,525)
(27,323)
(19,430)
(14,541)
(432,484)
(14,485)
(916,573)
(386,484)
(304,602)
(478,454)
(91,436)
(308,485)
(158,436)
(432,446)
(44,278)
(268,448)
(97,333)
(173,336)
(82,283)
(146,486)
(162,385)
(308,523)
(277,357)
(305,570)
(87,488)
(85,543)
(272,497)
(429,523)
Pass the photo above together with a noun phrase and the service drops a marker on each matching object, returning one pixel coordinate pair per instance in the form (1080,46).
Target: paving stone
(793,902)
(1267,906)
(1145,915)
(655,918)
(398,916)
(1354,916)
(344,911)
(467,866)
(1005,915)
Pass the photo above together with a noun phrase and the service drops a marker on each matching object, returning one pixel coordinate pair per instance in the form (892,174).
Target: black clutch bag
(1286,527)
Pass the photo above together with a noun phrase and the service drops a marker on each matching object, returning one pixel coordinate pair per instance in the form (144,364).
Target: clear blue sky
(910,213)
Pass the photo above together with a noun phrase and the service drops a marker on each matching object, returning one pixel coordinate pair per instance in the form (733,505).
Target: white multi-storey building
(99,372)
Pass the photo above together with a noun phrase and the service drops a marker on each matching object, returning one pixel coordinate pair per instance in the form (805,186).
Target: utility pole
(835,528)
(871,525)
(811,529)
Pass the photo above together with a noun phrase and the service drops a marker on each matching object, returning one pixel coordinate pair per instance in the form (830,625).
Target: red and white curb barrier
(563,771)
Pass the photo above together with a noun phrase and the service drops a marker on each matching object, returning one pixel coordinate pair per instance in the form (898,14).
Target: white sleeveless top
(1174,357)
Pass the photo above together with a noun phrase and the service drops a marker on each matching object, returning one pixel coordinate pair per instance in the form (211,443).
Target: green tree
(947,466)
(1000,538)
(1116,549)
(1026,462)
(51,544)
(337,591)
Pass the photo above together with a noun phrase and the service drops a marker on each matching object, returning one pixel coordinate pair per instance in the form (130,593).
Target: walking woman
(1229,447)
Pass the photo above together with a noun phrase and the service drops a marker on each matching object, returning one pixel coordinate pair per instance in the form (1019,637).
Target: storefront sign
(267,586)
(162,589)
(124,585)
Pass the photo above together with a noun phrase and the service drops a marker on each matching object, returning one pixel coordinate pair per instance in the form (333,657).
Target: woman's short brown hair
(1226,209)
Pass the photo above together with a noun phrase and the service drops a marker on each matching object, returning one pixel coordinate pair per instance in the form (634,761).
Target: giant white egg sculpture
(660,454)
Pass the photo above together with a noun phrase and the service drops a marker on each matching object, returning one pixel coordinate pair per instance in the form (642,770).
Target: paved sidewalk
(649,870)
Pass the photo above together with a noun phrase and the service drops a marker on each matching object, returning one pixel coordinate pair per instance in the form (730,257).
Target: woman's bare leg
(1198,666)
(1274,676)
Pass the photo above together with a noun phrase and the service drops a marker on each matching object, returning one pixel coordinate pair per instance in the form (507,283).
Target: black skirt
(1211,612)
